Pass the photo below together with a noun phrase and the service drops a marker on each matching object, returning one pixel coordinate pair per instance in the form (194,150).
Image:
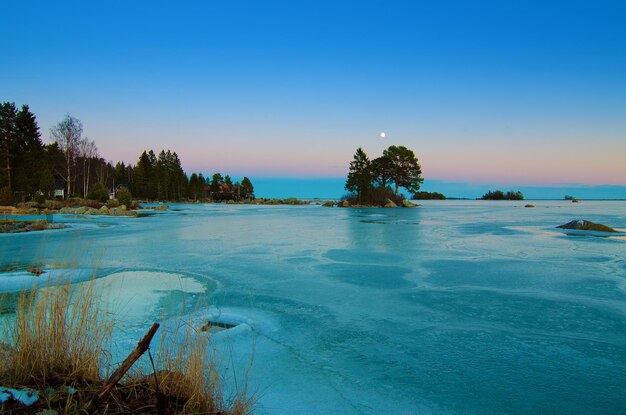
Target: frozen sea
(455,307)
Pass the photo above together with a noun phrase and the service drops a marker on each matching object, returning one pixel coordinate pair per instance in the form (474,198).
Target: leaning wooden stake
(142,346)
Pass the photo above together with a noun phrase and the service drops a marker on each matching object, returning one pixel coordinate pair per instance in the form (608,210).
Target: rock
(27,211)
(328,203)
(345,204)
(574,200)
(105,210)
(215,326)
(123,208)
(161,207)
(93,211)
(407,204)
(35,271)
(81,210)
(390,204)
(584,225)
(67,211)
(7,210)
(530,206)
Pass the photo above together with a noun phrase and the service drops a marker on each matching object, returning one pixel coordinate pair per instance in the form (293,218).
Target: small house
(59,191)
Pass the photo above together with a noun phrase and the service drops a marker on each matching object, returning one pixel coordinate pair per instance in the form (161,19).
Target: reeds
(59,342)
(60,336)
(201,388)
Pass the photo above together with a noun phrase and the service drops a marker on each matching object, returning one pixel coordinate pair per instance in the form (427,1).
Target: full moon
(382,135)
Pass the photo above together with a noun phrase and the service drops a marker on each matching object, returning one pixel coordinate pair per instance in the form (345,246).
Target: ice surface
(470,307)
(25,396)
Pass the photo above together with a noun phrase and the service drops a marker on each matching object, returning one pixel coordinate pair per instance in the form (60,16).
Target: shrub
(113,203)
(124,197)
(6,196)
(40,198)
(98,192)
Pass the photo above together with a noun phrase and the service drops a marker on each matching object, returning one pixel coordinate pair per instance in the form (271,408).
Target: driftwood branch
(106,389)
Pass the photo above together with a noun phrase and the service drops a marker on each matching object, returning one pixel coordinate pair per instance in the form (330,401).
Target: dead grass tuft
(58,346)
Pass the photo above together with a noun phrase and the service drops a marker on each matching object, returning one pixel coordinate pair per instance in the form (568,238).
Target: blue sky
(503,94)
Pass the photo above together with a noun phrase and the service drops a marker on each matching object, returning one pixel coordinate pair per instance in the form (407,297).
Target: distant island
(428,196)
(369,181)
(500,195)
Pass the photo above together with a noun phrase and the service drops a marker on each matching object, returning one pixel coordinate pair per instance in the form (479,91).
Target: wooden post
(106,389)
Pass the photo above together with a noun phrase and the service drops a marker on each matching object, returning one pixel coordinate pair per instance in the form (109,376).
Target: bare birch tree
(68,135)
(88,151)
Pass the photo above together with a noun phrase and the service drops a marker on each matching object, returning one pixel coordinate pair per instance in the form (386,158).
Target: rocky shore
(18,226)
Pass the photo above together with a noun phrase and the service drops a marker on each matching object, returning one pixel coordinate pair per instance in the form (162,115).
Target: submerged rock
(213,326)
(407,204)
(529,206)
(585,225)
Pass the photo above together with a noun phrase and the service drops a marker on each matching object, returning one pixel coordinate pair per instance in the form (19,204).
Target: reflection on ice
(135,296)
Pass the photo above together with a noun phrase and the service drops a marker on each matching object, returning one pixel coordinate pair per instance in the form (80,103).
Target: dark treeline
(428,196)
(500,195)
(71,166)
(369,180)
(28,168)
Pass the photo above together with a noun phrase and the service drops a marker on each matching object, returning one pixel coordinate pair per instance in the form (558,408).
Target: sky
(488,94)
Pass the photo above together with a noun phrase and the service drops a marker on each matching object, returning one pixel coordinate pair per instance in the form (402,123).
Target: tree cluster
(23,158)
(157,177)
(500,195)
(428,196)
(30,169)
(368,180)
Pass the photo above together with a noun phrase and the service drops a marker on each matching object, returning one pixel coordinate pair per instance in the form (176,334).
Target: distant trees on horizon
(428,196)
(500,195)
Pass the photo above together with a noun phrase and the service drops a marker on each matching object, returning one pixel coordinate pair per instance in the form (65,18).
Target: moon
(382,135)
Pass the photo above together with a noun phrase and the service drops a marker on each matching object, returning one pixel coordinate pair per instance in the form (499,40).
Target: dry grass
(60,334)
(60,339)
(201,387)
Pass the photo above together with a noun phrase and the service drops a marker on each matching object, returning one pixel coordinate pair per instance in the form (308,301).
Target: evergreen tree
(144,177)
(193,186)
(201,184)
(162,176)
(246,186)
(8,143)
(382,170)
(228,182)
(405,170)
(30,160)
(360,175)
(216,182)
